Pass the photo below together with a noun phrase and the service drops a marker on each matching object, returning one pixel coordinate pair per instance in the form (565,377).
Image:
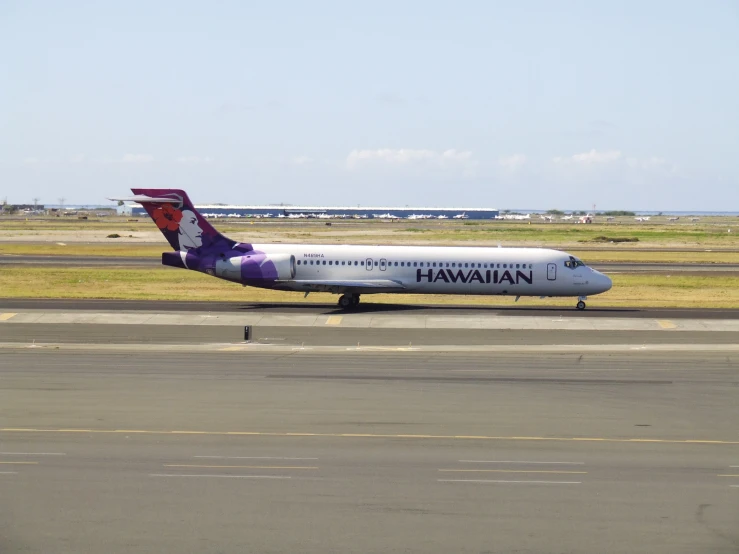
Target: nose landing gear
(348,301)
(581,303)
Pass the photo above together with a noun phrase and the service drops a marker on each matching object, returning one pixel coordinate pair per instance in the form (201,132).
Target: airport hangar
(355,212)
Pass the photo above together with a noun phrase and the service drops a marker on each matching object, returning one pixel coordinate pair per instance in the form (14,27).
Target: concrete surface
(366,307)
(168,452)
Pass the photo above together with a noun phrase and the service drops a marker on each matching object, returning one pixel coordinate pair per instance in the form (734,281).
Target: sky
(530,104)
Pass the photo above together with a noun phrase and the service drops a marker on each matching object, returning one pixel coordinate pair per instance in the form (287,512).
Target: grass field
(141,239)
(707,233)
(167,283)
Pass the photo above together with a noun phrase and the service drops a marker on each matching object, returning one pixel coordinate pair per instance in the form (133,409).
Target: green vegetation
(618,213)
(175,284)
(602,238)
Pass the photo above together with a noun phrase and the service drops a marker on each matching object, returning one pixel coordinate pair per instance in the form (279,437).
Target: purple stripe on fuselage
(256,266)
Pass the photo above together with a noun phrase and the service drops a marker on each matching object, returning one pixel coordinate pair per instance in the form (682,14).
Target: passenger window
(298,262)
(414,264)
(377,263)
(361,263)
(434,264)
(518,266)
(311,262)
(330,263)
(505,266)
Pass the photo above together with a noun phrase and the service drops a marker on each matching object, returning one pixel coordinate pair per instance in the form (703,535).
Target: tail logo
(185,222)
(191,235)
(167,217)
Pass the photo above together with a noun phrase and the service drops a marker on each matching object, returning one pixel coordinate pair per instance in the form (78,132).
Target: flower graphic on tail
(167,217)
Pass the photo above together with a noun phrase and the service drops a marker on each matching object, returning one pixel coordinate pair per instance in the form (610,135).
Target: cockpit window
(573,263)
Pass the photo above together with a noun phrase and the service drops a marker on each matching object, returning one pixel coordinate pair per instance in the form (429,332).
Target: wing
(359,286)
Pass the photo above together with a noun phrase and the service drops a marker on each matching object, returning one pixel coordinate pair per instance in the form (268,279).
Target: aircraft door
(383,264)
(368,264)
(551,272)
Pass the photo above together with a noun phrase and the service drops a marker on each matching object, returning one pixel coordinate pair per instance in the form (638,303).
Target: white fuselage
(445,270)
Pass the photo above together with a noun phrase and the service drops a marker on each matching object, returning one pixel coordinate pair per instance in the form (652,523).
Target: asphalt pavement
(366,307)
(162,451)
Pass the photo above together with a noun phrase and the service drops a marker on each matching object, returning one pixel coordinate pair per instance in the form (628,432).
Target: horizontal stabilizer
(144,198)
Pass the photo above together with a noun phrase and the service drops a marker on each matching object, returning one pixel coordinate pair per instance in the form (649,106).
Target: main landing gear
(348,301)
(580,303)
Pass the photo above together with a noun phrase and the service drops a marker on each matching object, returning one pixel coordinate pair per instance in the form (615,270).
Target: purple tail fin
(178,220)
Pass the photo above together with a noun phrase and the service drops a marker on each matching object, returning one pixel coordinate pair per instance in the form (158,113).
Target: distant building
(331,212)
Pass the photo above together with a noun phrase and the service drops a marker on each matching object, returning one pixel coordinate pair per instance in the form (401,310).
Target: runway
(166,451)
(366,307)
(151,262)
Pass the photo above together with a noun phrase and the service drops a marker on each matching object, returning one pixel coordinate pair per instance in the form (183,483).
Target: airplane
(567,217)
(353,270)
(463,215)
(642,219)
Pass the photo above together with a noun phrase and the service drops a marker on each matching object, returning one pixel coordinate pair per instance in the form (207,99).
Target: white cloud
(301,160)
(137,158)
(31,160)
(513,162)
(410,156)
(194,160)
(592,157)
(648,163)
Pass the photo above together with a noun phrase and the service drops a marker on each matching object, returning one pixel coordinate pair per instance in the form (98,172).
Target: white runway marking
(220,476)
(32,454)
(252,458)
(8,472)
(517,462)
(510,482)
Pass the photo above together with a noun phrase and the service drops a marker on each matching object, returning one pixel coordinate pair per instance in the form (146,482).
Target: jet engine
(256,266)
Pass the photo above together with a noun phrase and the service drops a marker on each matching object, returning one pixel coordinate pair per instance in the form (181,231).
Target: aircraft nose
(603,282)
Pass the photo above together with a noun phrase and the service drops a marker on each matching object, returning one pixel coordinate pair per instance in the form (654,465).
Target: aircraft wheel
(345,301)
(355,300)
(581,305)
